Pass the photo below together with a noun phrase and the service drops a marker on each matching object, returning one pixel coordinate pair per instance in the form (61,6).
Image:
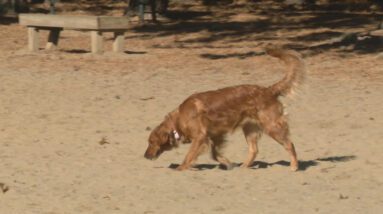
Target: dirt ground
(74,126)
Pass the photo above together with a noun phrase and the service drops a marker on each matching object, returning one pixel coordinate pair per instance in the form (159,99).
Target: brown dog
(205,118)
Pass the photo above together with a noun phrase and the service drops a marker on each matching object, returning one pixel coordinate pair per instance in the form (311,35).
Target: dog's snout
(147,156)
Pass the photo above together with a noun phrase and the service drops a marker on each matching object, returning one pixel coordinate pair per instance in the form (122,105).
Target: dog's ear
(164,137)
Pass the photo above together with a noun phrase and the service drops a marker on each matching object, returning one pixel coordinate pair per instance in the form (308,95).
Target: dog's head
(161,139)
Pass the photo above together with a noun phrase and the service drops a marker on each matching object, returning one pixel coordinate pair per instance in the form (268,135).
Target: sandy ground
(74,126)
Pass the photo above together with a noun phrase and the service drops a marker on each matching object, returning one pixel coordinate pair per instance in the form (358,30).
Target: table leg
(96,41)
(33,39)
(118,43)
(53,39)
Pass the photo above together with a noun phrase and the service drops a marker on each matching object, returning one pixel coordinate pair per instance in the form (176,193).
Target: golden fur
(205,118)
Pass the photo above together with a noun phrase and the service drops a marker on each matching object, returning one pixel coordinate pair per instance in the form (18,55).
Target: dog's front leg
(195,149)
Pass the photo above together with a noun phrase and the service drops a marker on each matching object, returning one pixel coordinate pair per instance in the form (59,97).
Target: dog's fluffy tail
(295,73)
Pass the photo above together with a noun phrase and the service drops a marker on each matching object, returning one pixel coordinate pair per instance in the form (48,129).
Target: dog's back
(245,99)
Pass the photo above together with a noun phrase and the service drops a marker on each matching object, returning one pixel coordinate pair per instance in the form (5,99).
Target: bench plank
(74,22)
(377,32)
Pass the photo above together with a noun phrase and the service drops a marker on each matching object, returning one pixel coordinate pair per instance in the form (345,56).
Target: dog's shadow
(303,165)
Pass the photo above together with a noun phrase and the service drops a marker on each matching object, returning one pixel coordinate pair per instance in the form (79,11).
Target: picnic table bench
(377,32)
(97,25)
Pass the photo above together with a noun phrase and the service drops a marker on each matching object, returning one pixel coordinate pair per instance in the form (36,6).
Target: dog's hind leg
(278,129)
(252,133)
(217,143)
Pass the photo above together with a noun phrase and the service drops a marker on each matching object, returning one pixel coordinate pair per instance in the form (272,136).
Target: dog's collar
(176,135)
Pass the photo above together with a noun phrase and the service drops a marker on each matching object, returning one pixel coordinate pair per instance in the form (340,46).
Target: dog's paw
(244,166)
(181,168)
(294,168)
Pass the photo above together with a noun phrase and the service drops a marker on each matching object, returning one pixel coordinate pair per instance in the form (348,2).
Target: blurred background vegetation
(100,6)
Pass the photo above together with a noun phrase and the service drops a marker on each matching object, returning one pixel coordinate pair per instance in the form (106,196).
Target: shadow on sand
(303,164)
(335,27)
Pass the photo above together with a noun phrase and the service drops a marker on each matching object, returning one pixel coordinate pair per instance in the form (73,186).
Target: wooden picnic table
(96,25)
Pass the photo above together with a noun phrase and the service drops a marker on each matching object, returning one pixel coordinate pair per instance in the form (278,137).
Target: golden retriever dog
(204,119)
